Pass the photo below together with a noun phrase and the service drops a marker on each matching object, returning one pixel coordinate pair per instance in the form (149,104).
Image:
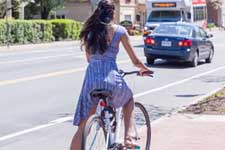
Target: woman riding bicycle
(101,38)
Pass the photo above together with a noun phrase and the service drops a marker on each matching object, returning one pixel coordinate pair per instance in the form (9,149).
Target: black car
(179,41)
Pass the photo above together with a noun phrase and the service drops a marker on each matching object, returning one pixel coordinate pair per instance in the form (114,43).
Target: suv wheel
(209,59)
(194,61)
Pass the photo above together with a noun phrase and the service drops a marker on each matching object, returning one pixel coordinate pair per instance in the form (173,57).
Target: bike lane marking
(65,119)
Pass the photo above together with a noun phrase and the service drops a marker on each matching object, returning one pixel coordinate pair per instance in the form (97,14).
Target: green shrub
(65,29)
(37,31)
(2,32)
(211,25)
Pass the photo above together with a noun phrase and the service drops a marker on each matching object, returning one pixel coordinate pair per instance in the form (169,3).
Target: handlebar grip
(132,72)
(123,73)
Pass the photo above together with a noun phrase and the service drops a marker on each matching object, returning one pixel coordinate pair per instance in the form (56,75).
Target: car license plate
(166,43)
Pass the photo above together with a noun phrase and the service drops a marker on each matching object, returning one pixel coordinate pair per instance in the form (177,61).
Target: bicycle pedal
(116,146)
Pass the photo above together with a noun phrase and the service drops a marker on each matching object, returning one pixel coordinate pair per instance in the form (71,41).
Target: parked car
(179,41)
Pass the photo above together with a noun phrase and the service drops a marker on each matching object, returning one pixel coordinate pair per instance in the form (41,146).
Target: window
(127,17)
(199,13)
(127,1)
(138,18)
(165,16)
(203,33)
(171,29)
(200,33)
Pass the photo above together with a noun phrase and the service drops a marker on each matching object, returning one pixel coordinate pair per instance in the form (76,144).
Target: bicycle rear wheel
(94,134)
(142,127)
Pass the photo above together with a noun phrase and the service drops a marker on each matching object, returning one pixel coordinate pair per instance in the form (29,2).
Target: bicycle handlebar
(124,73)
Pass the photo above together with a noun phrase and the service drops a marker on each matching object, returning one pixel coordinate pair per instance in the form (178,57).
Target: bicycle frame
(109,116)
(111,137)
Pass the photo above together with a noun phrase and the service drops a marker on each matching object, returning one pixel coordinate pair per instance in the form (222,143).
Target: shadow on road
(188,95)
(172,64)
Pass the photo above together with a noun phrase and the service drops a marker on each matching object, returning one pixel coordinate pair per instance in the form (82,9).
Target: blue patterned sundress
(102,73)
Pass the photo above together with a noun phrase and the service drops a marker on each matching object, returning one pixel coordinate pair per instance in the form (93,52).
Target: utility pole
(7,23)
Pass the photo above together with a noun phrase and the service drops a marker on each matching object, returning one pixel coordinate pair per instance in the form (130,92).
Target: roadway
(40,85)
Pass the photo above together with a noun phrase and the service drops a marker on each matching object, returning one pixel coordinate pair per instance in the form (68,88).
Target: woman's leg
(77,138)
(128,120)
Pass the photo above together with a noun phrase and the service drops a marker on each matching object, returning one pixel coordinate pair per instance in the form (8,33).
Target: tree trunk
(44,13)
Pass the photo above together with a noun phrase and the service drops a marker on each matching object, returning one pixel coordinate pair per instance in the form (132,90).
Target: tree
(2,9)
(45,7)
(216,3)
(13,5)
(42,7)
(15,8)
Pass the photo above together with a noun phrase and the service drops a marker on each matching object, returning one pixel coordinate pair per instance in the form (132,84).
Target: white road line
(65,119)
(35,59)
(179,82)
(52,123)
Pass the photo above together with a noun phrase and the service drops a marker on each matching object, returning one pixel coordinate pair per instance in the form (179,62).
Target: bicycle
(107,122)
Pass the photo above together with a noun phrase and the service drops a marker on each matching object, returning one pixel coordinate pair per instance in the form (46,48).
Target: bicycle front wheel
(142,127)
(94,134)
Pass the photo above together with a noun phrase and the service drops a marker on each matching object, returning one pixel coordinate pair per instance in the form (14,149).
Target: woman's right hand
(146,72)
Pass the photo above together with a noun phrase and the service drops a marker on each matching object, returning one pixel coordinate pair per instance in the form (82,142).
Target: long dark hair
(94,33)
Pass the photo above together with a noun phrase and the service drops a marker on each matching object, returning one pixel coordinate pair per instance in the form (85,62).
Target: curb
(5,48)
(201,98)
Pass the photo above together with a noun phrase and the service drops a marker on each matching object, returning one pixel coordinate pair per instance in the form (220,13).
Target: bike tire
(142,125)
(87,134)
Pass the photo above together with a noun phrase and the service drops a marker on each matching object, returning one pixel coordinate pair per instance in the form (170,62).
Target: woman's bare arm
(87,52)
(87,56)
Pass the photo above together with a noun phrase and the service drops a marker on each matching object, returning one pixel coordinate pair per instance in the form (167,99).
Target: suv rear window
(172,29)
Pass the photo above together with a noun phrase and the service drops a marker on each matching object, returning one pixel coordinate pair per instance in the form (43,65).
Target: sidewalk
(189,132)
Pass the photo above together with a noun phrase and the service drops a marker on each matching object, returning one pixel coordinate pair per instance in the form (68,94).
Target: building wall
(217,16)
(141,11)
(212,14)
(125,10)
(76,11)
(223,14)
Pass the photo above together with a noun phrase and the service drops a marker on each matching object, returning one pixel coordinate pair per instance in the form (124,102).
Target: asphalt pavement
(40,85)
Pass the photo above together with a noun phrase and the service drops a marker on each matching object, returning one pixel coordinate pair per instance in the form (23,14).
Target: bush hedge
(37,31)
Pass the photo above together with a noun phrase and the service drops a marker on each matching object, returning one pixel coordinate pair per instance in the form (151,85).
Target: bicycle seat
(101,93)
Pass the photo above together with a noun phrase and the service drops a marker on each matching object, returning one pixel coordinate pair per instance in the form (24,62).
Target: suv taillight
(150,41)
(185,43)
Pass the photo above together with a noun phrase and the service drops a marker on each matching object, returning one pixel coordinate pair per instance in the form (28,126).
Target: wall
(127,8)
(81,11)
(76,11)
(223,14)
